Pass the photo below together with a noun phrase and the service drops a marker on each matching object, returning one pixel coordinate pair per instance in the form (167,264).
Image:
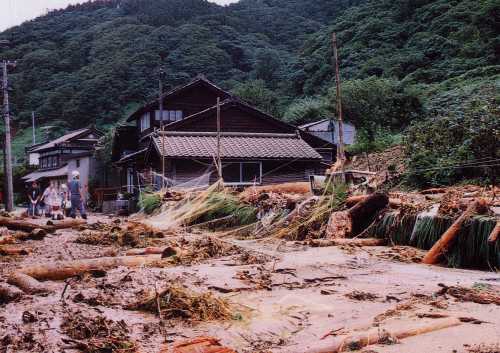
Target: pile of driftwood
(13,231)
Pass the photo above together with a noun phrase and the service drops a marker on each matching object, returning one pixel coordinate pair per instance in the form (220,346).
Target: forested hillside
(401,61)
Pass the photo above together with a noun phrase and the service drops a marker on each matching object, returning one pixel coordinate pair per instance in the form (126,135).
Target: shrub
(149,202)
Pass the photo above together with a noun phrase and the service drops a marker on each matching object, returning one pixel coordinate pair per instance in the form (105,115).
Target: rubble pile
(96,334)
(177,302)
(201,249)
(130,235)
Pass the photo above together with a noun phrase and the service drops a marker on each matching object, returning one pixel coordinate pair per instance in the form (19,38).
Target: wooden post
(160,103)
(340,149)
(33,125)
(219,163)
(9,203)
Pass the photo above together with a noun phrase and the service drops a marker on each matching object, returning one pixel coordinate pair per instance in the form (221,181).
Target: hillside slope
(93,63)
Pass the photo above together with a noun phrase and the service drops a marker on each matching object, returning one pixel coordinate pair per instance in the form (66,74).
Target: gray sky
(15,12)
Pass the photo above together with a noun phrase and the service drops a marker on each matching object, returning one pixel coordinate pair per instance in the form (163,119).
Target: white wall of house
(34,159)
(82,165)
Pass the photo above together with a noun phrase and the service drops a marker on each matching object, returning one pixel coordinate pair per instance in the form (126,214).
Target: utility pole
(340,148)
(33,124)
(219,163)
(9,205)
(160,103)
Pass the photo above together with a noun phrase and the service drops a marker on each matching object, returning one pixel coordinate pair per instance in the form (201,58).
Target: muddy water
(283,305)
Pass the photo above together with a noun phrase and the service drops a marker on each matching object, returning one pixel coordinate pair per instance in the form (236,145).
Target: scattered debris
(179,302)
(361,296)
(198,345)
(483,294)
(96,334)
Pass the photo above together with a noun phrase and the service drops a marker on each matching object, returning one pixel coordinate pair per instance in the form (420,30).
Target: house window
(169,115)
(130,180)
(78,163)
(145,122)
(242,173)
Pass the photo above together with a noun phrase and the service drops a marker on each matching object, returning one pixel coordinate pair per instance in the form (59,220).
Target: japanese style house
(57,159)
(255,148)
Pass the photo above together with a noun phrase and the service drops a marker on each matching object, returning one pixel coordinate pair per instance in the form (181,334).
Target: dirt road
(283,298)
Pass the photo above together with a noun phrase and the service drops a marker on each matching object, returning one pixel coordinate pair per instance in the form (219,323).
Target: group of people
(56,201)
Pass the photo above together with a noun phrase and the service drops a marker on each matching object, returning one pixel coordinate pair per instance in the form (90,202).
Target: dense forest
(408,67)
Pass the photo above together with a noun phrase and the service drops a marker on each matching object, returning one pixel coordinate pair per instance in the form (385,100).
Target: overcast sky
(15,12)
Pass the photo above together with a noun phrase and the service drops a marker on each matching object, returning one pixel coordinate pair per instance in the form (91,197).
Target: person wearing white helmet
(76,195)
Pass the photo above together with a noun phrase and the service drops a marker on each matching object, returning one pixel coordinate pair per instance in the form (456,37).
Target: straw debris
(176,302)
(97,334)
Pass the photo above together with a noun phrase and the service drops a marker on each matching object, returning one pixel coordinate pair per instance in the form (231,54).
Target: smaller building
(57,159)
(323,129)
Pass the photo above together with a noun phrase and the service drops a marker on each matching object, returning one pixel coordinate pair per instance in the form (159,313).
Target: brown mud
(254,295)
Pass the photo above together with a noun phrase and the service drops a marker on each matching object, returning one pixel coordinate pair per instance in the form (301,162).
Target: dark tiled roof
(234,146)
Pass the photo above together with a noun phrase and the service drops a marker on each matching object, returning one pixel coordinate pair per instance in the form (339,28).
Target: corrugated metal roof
(234,146)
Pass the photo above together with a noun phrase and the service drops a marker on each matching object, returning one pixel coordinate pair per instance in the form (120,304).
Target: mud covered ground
(280,296)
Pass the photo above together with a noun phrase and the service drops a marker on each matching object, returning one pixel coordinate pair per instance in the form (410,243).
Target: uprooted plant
(176,302)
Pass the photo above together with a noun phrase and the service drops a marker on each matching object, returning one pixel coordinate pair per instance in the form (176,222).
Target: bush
(307,110)
(381,140)
(149,202)
(447,149)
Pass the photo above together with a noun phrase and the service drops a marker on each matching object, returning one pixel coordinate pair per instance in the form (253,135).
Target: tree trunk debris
(356,342)
(478,206)
(494,233)
(342,241)
(66,269)
(352,222)
(27,283)
(23,225)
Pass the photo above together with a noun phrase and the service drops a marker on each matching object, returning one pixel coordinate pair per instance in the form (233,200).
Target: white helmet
(75,174)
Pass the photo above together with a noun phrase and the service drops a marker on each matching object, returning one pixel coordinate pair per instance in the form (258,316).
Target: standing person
(33,199)
(76,196)
(50,198)
(56,202)
(65,203)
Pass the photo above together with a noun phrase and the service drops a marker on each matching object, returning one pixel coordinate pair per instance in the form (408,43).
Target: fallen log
(67,223)
(24,226)
(9,293)
(433,191)
(342,344)
(8,251)
(353,221)
(27,284)
(342,241)
(494,233)
(433,256)
(393,202)
(198,345)
(66,269)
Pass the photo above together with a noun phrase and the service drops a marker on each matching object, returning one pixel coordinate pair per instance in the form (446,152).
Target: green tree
(256,93)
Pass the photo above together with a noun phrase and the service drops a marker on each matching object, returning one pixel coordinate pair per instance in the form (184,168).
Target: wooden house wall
(190,101)
(273,172)
(234,119)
